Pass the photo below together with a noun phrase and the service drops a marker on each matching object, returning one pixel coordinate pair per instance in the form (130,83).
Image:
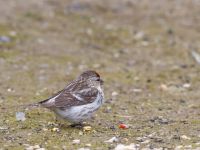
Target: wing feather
(76,93)
(68,99)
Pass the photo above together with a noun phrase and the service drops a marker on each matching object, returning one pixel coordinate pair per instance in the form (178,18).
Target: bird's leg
(59,121)
(77,125)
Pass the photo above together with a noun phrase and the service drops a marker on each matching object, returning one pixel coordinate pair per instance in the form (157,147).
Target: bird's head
(92,77)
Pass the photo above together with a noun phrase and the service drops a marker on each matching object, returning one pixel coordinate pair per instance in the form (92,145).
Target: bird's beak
(101,81)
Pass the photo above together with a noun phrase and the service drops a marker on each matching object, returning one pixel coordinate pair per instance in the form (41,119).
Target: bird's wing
(68,98)
(75,93)
(76,85)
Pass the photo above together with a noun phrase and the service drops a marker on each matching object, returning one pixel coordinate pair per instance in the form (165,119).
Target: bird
(79,100)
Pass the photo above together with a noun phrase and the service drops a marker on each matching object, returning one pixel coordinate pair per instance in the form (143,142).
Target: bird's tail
(34,105)
(29,106)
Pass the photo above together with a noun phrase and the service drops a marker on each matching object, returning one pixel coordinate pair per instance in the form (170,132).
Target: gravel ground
(141,48)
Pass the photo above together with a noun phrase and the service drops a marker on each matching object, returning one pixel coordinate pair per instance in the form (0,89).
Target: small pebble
(179,147)
(76,141)
(163,87)
(112,140)
(132,146)
(20,116)
(3,128)
(188,146)
(83,149)
(35,147)
(80,133)
(186,85)
(4,39)
(125,139)
(114,93)
(185,137)
(137,90)
(196,56)
(88,145)
(198,143)
(139,35)
(13,33)
(45,129)
(55,129)
(140,139)
(145,142)
(87,128)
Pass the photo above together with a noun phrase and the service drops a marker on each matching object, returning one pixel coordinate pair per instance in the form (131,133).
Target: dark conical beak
(101,81)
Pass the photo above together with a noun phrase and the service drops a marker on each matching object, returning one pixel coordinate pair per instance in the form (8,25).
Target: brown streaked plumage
(79,99)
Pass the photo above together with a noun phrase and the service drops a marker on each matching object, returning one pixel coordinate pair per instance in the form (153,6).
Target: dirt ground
(141,48)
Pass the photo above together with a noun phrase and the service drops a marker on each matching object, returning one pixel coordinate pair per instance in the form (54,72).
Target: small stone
(188,146)
(116,55)
(132,146)
(160,120)
(179,147)
(88,145)
(5,39)
(29,148)
(163,87)
(13,33)
(9,90)
(137,90)
(96,65)
(45,129)
(3,128)
(145,142)
(76,141)
(80,133)
(83,149)
(186,85)
(89,31)
(55,129)
(36,146)
(152,135)
(196,56)
(139,139)
(40,41)
(109,27)
(125,139)
(64,147)
(87,128)
(112,140)
(20,116)
(114,93)
(198,143)
(136,78)
(145,43)
(185,137)
(139,35)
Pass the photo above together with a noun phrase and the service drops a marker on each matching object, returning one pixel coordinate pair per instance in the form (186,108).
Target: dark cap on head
(89,74)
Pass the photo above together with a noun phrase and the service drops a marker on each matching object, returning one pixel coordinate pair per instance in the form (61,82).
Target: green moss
(8,54)
(33,16)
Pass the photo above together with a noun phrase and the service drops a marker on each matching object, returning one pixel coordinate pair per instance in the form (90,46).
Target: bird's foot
(77,125)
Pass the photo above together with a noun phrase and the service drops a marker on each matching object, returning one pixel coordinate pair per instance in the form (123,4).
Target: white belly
(80,113)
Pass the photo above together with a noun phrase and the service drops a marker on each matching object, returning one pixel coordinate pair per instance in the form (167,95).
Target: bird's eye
(98,79)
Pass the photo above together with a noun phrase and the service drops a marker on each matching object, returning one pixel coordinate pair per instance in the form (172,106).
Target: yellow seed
(87,128)
(55,130)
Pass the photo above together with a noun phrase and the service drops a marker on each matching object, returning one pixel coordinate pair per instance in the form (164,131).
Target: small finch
(79,99)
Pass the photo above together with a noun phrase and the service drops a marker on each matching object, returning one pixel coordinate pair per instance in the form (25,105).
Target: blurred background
(147,52)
